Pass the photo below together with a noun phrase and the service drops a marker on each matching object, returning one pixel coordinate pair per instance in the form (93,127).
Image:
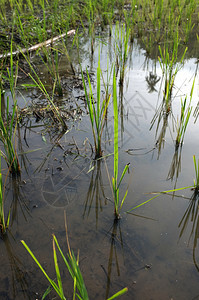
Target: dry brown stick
(37,46)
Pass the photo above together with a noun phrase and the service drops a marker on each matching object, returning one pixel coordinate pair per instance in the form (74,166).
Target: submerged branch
(37,46)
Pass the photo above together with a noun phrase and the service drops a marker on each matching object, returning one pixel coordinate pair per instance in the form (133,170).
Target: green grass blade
(57,270)
(104,114)
(54,285)
(120,293)
(124,198)
(160,193)
(98,91)
(196,169)
(87,99)
(115,128)
(63,257)
(123,173)
(46,293)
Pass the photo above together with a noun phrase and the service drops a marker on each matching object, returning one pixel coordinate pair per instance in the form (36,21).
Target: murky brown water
(153,252)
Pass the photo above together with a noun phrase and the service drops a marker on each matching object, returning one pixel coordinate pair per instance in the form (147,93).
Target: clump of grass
(72,265)
(115,183)
(97,113)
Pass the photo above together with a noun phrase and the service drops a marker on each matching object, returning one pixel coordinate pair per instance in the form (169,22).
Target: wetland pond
(153,250)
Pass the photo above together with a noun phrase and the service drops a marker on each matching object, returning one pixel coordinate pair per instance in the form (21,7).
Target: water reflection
(116,239)
(152,80)
(175,167)
(191,218)
(16,203)
(162,116)
(19,280)
(95,192)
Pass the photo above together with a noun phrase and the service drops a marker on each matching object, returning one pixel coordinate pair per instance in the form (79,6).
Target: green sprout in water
(72,265)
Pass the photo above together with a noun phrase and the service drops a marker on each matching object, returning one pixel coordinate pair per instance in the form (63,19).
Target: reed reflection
(95,198)
(191,219)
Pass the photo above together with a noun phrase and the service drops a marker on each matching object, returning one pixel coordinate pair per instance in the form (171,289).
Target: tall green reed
(115,182)
(97,113)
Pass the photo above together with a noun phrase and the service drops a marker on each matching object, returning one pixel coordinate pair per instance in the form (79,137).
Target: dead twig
(37,46)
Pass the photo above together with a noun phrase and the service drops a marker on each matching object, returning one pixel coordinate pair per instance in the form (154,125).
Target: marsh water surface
(154,250)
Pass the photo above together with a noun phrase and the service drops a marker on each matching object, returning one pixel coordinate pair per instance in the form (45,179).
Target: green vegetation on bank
(30,22)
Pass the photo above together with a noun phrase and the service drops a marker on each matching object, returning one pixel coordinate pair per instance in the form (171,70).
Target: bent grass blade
(159,194)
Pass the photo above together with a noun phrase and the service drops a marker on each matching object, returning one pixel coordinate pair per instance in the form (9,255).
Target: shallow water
(152,251)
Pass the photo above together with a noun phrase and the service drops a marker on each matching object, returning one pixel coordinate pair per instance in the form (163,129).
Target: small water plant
(72,265)
(97,112)
(115,183)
